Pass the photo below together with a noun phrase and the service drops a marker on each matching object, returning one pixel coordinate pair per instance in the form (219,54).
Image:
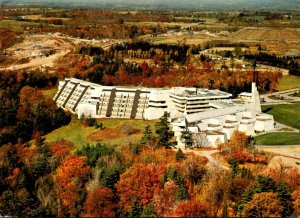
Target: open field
(289,82)
(266,34)
(288,114)
(115,132)
(74,132)
(279,138)
(275,40)
(182,38)
(40,17)
(14,24)
(163,24)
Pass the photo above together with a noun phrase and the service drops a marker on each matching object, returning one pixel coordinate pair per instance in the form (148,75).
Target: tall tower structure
(255,99)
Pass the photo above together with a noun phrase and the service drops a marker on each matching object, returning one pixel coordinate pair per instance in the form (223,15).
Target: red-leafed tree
(100,203)
(139,182)
(164,200)
(70,178)
(61,149)
(192,209)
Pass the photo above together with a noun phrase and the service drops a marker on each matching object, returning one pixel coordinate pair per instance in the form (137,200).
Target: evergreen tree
(164,131)
(265,184)
(110,175)
(181,193)
(148,136)
(186,136)
(234,166)
(136,209)
(180,155)
(246,197)
(149,211)
(285,199)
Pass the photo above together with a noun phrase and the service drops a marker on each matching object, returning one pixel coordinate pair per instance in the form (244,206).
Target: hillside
(265,34)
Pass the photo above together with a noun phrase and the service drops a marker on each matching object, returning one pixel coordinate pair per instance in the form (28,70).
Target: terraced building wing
(89,99)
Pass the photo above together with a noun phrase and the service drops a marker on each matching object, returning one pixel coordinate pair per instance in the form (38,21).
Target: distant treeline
(90,50)
(275,61)
(178,53)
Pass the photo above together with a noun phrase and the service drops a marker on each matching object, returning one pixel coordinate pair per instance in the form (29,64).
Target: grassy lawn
(279,138)
(288,114)
(76,133)
(289,82)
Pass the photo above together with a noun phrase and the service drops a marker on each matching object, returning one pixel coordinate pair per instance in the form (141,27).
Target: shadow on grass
(266,110)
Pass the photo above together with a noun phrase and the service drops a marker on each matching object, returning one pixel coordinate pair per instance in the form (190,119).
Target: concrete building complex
(218,125)
(210,115)
(89,99)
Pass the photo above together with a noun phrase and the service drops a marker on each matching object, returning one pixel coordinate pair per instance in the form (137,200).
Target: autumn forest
(141,173)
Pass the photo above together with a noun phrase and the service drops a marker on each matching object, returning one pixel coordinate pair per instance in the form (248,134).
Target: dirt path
(292,151)
(212,161)
(288,155)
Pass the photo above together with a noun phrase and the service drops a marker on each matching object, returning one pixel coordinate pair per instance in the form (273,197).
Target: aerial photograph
(149,108)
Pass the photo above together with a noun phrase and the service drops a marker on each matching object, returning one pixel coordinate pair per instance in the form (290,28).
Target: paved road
(285,94)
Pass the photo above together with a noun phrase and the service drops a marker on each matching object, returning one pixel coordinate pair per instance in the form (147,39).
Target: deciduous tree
(70,178)
(139,182)
(100,203)
(192,209)
(265,204)
(296,199)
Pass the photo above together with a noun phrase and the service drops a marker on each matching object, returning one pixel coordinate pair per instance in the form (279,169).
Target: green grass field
(14,24)
(279,138)
(76,133)
(288,114)
(289,82)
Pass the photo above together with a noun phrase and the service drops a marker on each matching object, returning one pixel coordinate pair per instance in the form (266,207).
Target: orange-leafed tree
(237,147)
(70,178)
(192,209)
(139,183)
(237,142)
(164,200)
(265,204)
(61,149)
(100,203)
(296,203)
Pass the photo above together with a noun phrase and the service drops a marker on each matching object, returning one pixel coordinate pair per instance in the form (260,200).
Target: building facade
(219,124)
(210,115)
(89,99)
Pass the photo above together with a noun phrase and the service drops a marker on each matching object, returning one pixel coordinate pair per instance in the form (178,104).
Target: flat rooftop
(201,93)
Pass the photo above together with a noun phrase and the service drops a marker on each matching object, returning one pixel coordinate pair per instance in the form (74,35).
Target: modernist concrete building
(209,114)
(219,124)
(98,101)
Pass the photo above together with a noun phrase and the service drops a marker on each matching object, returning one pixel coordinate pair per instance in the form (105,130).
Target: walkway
(212,161)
